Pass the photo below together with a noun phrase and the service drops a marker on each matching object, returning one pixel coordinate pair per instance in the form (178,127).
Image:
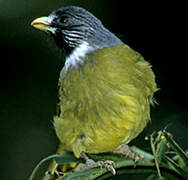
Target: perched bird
(105,87)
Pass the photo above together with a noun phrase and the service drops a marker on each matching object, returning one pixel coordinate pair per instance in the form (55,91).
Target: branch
(159,166)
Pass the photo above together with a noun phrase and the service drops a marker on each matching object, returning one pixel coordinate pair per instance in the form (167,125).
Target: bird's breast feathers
(106,96)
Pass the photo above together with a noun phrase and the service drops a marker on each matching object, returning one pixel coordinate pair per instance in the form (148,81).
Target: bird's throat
(77,57)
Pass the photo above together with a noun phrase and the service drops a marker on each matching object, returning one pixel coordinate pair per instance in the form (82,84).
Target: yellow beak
(41,23)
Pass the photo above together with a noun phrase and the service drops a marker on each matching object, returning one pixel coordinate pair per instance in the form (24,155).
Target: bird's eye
(63,20)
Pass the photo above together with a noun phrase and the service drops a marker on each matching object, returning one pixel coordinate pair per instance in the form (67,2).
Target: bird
(105,87)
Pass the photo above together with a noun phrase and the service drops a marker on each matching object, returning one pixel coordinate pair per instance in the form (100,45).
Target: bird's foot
(108,164)
(90,163)
(127,152)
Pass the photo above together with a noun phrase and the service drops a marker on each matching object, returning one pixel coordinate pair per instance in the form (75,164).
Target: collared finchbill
(42,23)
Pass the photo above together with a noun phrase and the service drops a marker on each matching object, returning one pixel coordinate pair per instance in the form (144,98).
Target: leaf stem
(40,163)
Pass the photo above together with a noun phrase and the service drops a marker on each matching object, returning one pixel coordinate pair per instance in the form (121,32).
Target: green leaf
(66,158)
(161,147)
(107,156)
(156,177)
(153,148)
(147,156)
(177,168)
(176,147)
(84,175)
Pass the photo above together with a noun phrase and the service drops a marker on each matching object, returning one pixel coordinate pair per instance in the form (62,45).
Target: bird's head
(73,26)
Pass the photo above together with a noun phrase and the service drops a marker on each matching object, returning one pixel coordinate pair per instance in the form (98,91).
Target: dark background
(30,65)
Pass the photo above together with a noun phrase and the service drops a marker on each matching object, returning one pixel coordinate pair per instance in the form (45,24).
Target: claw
(109,165)
(125,150)
(90,163)
(102,164)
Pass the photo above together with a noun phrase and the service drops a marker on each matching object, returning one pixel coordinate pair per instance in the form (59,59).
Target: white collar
(77,56)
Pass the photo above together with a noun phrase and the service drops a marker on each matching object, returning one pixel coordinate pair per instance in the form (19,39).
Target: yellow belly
(105,102)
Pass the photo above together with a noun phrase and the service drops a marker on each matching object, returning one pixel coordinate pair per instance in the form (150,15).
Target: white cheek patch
(77,56)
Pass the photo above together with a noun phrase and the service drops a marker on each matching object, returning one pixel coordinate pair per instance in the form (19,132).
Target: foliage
(167,161)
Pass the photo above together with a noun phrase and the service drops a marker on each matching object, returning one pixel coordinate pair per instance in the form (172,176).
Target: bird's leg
(90,163)
(126,151)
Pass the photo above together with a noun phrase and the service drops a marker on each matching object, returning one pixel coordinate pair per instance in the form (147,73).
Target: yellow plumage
(105,87)
(105,101)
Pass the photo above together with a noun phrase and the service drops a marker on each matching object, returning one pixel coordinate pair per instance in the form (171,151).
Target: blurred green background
(30,65)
